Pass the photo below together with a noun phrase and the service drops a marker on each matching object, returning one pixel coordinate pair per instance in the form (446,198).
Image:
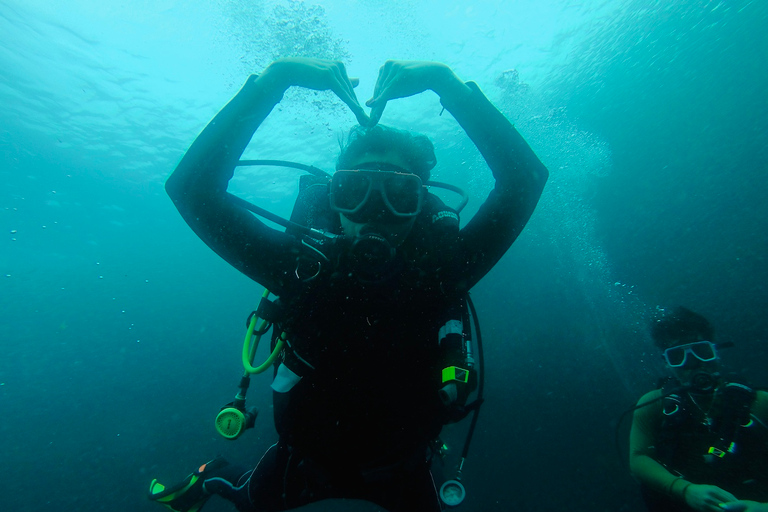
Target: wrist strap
(685,490)
(672,484)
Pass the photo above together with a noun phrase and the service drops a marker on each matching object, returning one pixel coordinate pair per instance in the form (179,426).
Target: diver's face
(395,230)
(707,364)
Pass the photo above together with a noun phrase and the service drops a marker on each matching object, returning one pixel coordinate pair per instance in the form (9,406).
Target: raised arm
(520,175)
(198,185)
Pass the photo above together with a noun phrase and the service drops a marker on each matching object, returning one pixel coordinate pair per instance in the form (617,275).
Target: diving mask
(364,195)
(704,351)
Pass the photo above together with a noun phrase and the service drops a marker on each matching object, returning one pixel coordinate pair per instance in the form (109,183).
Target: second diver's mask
(704,351)
(697,364)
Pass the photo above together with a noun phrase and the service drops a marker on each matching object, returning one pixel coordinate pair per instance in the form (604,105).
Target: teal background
(120,330)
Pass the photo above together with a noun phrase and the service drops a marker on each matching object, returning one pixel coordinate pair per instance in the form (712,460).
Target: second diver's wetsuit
(358,422)
(675,432)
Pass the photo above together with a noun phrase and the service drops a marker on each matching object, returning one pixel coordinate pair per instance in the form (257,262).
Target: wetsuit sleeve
(199,183)
(520,177)
(646,425)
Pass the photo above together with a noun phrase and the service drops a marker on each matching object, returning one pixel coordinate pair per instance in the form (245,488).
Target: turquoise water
(119,329)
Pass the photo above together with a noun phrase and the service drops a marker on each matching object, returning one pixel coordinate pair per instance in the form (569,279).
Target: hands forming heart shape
(397,79)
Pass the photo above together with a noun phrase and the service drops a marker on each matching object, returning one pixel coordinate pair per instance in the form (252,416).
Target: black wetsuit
(358,422)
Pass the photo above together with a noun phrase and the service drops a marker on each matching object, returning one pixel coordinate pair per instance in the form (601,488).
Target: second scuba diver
(371,318)
(700,442)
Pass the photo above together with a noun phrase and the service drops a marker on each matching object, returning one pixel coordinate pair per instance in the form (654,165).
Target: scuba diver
(371,311)
(700,442)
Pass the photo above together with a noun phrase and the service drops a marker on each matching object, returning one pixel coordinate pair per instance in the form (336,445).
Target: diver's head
(378,191)
(378,203)
(687,341)
(414,152)
(378,187)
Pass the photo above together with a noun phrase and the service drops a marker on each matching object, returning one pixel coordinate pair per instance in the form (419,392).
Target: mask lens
(704,350)
(675,356)
(403,192)
(349,190)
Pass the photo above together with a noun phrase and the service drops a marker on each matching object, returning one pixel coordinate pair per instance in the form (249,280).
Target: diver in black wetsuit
(358,390)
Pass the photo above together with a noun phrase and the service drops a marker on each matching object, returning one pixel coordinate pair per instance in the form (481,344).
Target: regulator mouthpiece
(372,256)
(703,382)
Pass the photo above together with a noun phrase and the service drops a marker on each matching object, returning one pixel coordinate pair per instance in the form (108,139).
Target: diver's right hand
(707,498)
(318,75)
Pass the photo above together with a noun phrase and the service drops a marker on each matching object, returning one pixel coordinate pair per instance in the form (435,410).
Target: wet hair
(415,149)
(679,327)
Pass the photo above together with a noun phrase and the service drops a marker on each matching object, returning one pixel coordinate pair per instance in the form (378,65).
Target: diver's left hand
(744,506)
(403,78)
